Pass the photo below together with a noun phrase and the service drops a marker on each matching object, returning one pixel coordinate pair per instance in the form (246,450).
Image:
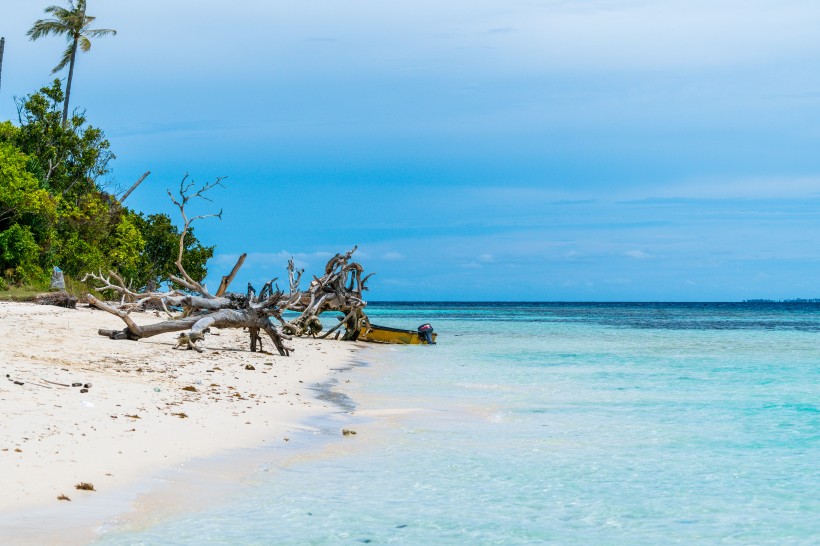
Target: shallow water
(560,424)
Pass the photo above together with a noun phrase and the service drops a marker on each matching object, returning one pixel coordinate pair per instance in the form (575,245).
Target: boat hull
(385,334)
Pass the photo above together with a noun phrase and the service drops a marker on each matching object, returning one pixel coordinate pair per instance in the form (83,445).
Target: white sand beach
(147,408)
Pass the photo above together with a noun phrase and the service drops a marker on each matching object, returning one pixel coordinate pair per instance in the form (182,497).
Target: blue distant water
(559,424)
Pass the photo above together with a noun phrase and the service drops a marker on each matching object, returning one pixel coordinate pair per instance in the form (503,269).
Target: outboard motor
(426,334)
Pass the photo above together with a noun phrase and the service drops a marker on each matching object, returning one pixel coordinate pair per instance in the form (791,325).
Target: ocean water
(554,424)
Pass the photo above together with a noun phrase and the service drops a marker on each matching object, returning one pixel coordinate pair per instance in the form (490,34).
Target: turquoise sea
(656,423)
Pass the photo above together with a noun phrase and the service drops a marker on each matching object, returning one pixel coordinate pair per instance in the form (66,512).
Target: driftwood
(232,313)
(339,289)
(228,279)
(59,299)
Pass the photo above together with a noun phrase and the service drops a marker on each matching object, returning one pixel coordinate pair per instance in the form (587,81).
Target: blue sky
(475,150)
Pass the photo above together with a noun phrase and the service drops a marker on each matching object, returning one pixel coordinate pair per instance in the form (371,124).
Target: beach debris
(85,486)
(18,450)
(83,391)
(63,497)
(57,299)
(201,308)
(134,416)
(339,289)
(188,341)
(57,279)
(181,415)
(55,383)
(189,388)
(76,384)
(249,367)
(348,432)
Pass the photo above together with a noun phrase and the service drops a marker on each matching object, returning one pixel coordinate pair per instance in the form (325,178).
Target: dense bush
(54,211)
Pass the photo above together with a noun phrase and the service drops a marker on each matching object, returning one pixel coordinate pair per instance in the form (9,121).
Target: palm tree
(73,23)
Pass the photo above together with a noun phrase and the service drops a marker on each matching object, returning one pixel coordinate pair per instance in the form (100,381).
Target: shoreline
(136,432)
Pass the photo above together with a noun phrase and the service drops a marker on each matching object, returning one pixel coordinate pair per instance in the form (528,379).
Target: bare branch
(228,279)
(185,196)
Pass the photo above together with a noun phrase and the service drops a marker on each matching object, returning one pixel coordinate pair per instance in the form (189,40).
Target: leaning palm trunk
(74,24)
(70,77)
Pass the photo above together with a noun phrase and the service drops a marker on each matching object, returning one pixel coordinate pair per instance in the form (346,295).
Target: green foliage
(126,249)
(18,254)
(162,249)
(67,158)
(27,214)
(8,132)
(53,212)
(20,194)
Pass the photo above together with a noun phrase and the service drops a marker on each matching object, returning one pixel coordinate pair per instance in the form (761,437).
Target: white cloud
(637,254)
(269,260)
(744,188)
(392,256)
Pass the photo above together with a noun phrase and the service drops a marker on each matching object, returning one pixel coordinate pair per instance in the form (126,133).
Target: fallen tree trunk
(339,289)
(196,326)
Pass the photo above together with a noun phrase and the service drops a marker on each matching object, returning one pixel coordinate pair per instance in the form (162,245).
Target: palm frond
(58,11)
(46,27)
(100,32)
(71,22)
(65,60)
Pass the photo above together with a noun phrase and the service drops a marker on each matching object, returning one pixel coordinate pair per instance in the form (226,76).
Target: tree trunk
(197,325)
(2,49)
(70,77)
(132,188)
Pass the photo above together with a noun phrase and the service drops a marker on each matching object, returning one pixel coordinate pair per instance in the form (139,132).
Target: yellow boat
(385,334)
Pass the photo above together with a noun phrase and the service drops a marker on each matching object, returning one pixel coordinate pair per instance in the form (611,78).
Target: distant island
(795,300)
